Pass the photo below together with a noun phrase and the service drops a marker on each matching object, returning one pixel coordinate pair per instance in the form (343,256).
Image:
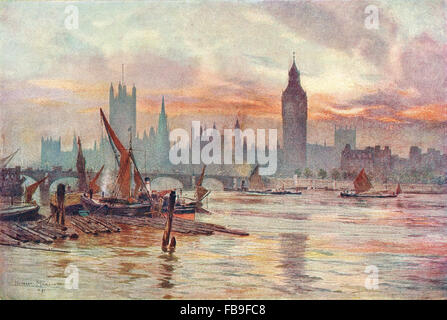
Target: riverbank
(340,185)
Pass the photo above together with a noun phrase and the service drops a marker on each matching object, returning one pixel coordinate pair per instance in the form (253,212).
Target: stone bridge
(53,175)
(187,180)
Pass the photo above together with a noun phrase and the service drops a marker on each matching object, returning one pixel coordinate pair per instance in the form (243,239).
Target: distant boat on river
(362,184)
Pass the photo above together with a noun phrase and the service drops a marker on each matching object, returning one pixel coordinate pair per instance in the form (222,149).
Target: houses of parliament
(152,149)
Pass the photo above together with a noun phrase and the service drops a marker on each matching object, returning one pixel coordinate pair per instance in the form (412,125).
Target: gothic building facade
(123,112)
(151,151)
(294,121)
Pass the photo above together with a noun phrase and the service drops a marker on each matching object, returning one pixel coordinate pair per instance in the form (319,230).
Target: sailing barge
(362,184)
(144,201)
(257,186)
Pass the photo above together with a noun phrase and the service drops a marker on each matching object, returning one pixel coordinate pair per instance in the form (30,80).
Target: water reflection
(167,269)
(292,252)
(313,246)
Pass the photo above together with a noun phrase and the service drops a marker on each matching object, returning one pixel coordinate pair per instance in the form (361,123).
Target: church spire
(163,106)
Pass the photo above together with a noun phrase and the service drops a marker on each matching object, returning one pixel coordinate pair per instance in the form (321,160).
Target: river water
(313,246)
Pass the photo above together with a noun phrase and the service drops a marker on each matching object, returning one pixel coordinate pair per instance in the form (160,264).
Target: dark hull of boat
(353,195)
(19,213)
(115,208)
(183,211)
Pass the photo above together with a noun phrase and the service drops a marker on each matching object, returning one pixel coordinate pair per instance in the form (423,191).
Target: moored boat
(19,212)
(108,206)
(121,201)
(23,211)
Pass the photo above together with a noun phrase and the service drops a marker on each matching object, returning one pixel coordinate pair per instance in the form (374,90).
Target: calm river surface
(316,245)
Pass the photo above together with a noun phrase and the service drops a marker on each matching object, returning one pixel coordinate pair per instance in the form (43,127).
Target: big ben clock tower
(294,122)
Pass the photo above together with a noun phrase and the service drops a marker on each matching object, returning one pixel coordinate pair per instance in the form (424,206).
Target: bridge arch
(164,183)
(68,181)
(213,184)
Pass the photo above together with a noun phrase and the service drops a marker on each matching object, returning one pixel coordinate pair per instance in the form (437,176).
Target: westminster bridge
(186,181)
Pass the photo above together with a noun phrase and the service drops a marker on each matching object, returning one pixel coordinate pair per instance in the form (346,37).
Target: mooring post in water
(60,212)
(167,233)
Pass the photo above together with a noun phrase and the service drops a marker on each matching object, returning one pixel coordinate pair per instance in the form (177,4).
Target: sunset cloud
(435,113)
(218,61)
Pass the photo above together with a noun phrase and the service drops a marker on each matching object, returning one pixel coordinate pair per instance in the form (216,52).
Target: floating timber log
(93,225)
(38,232)
(7,241)
(178,225)
(43,238)
(10,232)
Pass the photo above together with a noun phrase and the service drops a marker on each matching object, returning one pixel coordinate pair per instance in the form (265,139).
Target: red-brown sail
(138,182)
(112,134)
(92,185)
(362,183)
(123,181)
(255,180)
(32,188)
(200,180)
(398,189)
(201,192)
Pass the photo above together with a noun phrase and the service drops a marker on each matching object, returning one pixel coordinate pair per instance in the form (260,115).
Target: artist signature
(40,285)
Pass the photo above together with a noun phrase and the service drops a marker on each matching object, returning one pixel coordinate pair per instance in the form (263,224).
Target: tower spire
(122,73)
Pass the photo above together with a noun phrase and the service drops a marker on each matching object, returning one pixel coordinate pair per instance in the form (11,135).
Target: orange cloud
(431,112)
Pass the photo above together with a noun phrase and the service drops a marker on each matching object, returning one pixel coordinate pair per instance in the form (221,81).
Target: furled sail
(32,188)
(200,180)
(201,192)
(4,161)
(138,181)
(255,180)
(80,166)
(362,183)
(93,185)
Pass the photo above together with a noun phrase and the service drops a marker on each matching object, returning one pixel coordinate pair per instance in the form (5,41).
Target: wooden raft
(178,225)
(93,225)
(12,233)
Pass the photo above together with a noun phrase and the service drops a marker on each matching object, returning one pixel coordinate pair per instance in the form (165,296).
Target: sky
(217,61)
